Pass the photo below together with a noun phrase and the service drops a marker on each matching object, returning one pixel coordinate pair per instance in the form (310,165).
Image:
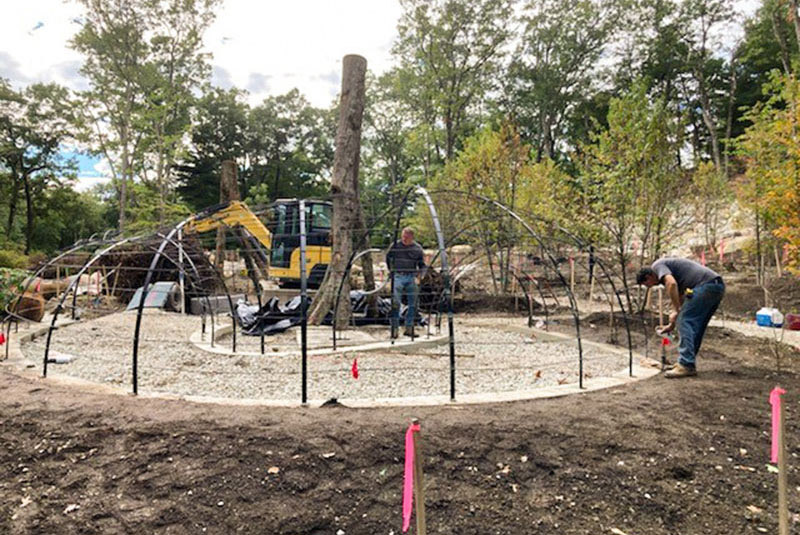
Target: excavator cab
(283,222)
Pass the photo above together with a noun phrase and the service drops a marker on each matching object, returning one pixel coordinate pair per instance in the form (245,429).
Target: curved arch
(72,287)
(535,235)
(80,244)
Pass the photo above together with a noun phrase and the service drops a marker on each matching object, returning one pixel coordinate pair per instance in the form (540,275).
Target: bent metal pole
(447,294)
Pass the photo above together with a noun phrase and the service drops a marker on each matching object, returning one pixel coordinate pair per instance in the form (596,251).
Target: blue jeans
(695,315)
(404,283)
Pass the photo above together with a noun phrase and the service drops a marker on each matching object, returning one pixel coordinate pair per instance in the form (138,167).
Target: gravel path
(488,359)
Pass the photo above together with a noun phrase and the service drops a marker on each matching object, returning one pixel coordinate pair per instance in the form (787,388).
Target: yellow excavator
(280,236)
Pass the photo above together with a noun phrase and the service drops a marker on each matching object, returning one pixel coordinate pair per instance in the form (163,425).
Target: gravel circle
(496,358)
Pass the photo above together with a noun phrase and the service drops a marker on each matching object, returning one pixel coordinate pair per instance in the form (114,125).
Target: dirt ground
(655,457)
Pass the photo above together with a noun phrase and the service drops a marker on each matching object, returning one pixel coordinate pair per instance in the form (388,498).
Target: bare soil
(656,457)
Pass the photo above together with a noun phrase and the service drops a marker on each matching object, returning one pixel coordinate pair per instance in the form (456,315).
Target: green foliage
(449,56)
(498,166)
(10,282)
(711,197)
(150,212)
(283,146)
(143,60)
(67,216)
(555,66)
(12,258)
(34,125)
(771,185)
(630,178)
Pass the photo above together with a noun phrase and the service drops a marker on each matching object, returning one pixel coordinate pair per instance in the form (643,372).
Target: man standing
(695,293)
(406,262)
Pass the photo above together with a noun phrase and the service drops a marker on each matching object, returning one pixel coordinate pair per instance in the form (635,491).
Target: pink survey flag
(408,479)
(354,369)
(775,401)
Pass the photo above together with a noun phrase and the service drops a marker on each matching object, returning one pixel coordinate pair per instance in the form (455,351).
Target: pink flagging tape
(703,257)
(354,369)
(775,401)
(408,479)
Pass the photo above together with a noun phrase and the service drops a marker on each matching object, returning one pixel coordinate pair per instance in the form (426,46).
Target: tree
(34,125)
(498,165)
(220,132)
(711,196)
(630,178)
(450,54)
(556,65)
(771,185)
(347,215)
(142,60)
(289,147)
(705,18)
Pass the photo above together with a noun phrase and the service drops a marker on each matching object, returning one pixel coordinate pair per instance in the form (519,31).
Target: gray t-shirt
(405,259)
(688,274)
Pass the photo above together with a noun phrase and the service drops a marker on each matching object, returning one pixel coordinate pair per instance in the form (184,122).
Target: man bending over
(695,293)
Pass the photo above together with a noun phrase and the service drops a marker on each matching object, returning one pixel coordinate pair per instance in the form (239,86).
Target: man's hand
(673,318)
(668,328)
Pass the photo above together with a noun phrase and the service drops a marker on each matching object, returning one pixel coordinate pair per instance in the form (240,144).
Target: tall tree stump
(344,190)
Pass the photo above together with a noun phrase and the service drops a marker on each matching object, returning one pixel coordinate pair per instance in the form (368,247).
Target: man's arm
(390,258)
(421,263)
(671,286)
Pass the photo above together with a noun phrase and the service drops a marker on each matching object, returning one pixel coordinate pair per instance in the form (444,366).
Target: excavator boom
(232,214)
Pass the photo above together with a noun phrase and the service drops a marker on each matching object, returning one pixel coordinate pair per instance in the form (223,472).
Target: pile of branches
(131,263)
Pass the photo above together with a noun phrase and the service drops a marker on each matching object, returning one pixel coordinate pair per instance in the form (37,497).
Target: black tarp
(273,318)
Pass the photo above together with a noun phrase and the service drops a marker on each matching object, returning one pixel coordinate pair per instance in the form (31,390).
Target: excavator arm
(232,214)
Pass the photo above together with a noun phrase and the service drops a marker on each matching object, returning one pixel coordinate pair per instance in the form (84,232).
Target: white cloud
(267,47)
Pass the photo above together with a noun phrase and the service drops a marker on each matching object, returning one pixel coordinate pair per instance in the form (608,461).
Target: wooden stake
(660,307)
(419,485)
(572,275)
(783,506)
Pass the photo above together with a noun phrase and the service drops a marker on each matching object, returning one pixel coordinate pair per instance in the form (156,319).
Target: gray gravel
(488,359)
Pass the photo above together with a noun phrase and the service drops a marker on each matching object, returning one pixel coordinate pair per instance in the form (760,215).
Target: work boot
(679,370)
(408,332)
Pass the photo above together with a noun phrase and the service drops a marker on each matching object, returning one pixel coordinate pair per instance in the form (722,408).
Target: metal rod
(72,285)
(447,294)
(304,303)
(140,307)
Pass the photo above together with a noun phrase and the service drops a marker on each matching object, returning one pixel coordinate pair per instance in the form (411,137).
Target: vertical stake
(180,272)
(783,506)
(303,305)
(572,275)
(419,485)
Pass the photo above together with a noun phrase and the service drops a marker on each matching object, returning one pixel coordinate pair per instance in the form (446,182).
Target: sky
(265,46)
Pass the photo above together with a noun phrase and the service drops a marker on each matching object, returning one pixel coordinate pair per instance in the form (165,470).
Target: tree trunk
(366,263)
(344,190)
(776,29)
(12,205)
(28,214)
(729,123)
(228,191)
(123,187)
(795,20)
